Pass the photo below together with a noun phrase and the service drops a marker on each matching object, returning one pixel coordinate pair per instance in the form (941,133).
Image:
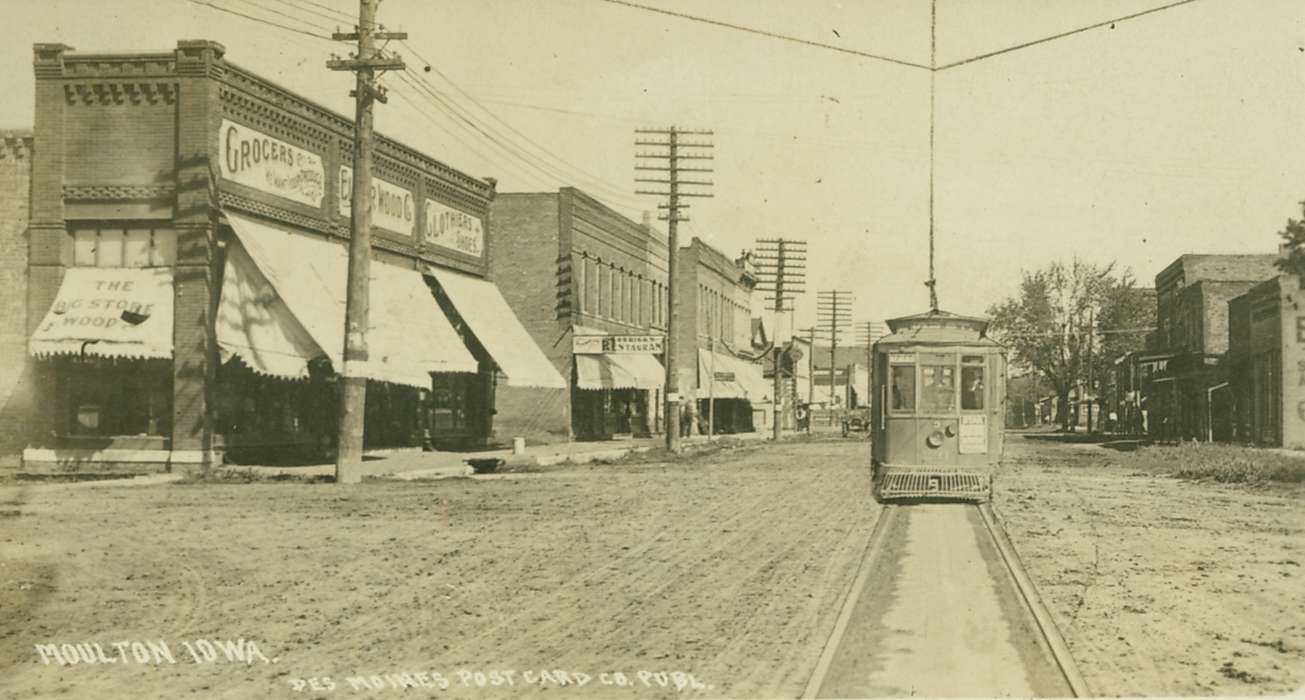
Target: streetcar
(937,424)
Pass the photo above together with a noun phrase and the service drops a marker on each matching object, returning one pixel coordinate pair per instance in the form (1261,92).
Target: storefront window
(938,394)
(448,404)
(117,398)
(903,388)
(972,383)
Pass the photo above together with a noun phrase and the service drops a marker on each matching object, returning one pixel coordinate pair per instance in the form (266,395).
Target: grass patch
(237,475)
(1231,464)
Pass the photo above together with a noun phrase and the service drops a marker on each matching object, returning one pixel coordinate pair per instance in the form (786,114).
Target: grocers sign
(393,208)
(254,159)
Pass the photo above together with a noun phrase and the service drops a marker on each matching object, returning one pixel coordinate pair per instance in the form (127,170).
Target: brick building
(15,368)
(1189,397)
(1266,363)
(717,363)
(590,286)
(187,266)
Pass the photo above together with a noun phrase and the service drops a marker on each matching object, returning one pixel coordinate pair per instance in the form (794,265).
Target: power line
(430,93)
(260,20)
(564,172)
(279,13)
(1062,35)
(562,165)
(772,35)
(336,17)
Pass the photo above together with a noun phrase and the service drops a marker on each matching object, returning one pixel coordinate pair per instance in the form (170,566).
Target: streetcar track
(1049,635)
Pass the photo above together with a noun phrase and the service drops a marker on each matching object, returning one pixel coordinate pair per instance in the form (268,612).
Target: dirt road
(731,570)
(940,617)
(1161,586)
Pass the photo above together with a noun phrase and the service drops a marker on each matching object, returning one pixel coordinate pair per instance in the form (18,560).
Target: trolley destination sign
(618,344)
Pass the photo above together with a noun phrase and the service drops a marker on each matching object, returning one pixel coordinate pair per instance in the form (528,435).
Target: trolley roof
(936,327)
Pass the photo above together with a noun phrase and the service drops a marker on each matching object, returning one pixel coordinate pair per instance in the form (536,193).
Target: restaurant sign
(452,229)
(617,344)
(393,208)
(254,159)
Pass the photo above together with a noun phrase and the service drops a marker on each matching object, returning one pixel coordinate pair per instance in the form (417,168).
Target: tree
(1294,237)
(1052,325)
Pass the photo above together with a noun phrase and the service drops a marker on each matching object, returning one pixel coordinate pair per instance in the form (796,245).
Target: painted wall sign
(456,230)
(254,159)
(974,434)
(393,207)
(614,344)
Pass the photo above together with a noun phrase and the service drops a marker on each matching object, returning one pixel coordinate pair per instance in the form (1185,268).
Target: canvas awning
(619,371)
(720,370)
(408,336)
(735,378)
(498,329)
(114,312)
(255,324)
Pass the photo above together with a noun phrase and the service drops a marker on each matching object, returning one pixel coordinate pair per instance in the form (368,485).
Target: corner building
(591,287)
(187,266)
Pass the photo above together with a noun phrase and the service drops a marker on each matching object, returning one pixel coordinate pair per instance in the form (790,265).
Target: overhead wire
(769,34)
(490,113)
(430,94)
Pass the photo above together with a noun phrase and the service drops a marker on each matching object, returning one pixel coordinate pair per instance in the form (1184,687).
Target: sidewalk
(427,465)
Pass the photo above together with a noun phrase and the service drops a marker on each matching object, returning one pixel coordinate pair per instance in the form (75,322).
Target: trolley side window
(902,388)
(938,395)
(973,386)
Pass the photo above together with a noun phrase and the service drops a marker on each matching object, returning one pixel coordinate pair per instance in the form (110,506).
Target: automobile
(856,420)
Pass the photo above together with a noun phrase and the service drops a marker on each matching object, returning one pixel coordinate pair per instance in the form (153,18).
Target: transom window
(123,245)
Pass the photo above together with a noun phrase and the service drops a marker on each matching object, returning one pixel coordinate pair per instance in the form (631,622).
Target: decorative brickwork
(16,152)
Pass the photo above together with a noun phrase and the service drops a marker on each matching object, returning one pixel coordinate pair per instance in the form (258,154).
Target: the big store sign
(449,228)
(392,206)
(254,159)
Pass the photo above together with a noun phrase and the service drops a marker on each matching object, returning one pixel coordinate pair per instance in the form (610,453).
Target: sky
(1177,132)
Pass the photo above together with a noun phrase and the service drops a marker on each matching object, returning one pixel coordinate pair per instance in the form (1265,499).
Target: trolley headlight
(935,439)
(951,432)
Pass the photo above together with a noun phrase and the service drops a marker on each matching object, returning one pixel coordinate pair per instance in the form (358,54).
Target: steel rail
(1029,593)
(876,542)
(1011,561)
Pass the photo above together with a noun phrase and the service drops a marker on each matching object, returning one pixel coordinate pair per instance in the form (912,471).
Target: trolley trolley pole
(834,316)
(781,271)
(666,158)
(353,381)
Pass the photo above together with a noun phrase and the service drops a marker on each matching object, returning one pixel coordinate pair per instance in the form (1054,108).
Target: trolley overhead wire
(772,35)
(260,20)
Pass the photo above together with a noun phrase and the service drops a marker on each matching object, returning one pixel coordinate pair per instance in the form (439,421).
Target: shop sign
(455,230)
(254,159)
(723,376)
(393,208)
(617,344)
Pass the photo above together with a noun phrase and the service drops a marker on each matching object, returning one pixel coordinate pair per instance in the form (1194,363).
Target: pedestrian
(686,419)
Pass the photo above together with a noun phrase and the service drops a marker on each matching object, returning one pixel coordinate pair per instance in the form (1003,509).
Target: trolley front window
(939,392)
(903,388)
(972,383)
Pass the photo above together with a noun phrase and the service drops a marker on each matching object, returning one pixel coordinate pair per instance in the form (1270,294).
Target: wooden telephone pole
(834,315)
(667,159)
(353,381)
(781,271)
